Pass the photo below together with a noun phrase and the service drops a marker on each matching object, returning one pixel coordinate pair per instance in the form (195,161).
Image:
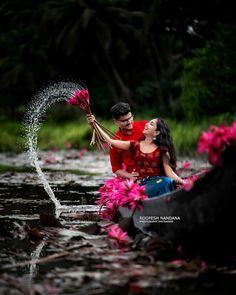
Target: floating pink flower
(51,159)
(68,145)
(82,152)
(186,166)
(178,262)
(118,236)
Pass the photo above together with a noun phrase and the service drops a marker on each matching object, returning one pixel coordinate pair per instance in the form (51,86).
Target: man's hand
(90,118)
(134,175)
(124,174)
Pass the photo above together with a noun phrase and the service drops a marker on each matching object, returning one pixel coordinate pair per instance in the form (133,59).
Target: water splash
(35,114)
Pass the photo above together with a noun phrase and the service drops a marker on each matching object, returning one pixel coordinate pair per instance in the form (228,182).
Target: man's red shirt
(119,157)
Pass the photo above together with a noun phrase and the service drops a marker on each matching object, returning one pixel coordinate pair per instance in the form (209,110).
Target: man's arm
(116,164)
(120,144)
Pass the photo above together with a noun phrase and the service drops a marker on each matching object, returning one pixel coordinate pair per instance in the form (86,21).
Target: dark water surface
(69,260)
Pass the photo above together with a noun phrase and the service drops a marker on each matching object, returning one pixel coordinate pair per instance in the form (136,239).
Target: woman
(154,157)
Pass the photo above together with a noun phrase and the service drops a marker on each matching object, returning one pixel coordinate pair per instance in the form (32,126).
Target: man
(122,162)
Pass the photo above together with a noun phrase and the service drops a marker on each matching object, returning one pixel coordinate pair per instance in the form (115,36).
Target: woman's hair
(164,141)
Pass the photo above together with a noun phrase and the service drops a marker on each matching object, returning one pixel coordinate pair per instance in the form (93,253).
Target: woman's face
(151,128)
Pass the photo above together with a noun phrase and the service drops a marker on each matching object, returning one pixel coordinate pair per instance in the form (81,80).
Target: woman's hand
(90,119)
(180,181)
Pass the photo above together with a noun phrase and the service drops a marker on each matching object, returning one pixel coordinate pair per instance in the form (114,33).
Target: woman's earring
(155,136)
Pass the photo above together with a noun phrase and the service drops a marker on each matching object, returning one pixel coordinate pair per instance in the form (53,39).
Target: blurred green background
(174,59)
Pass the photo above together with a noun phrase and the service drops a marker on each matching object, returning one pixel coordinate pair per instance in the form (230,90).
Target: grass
(6,168)
(77,134)
(64,135)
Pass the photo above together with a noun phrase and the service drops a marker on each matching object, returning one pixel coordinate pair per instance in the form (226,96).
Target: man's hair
(120,109)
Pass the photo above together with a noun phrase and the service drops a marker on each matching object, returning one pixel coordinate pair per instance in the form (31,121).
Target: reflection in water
(34,259)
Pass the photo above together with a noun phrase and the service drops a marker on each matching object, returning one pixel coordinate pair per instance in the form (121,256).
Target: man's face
(125,122)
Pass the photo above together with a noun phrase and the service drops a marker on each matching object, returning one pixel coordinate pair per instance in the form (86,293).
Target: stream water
(23,199)
(67,260)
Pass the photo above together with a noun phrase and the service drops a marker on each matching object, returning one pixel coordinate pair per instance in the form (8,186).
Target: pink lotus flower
(119,192)
(118,236)
(109,192)
(131,194)
(178,262)
(111,213)
(215,140)
(188,185)
(68,145)
(51,159)
(82,152)
(189,182)
(232,135)
(186,166)
(81,99)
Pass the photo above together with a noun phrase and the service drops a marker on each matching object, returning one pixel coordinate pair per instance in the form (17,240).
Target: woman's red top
(147,164)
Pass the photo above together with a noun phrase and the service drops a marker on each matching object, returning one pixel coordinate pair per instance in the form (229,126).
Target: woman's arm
(120,144)
(169,171)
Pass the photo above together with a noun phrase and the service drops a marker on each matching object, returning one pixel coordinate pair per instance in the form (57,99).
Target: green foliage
(73,134)
(185,137)
(11,138)
(144,93)
(77,134)
(186,134)
(64,135)
(123,50)
(6,168)
(208,83)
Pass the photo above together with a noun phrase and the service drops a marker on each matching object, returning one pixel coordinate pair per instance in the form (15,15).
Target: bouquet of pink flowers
(81,99)
(118,192)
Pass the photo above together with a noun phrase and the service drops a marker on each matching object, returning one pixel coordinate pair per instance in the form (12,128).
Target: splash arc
(36,111)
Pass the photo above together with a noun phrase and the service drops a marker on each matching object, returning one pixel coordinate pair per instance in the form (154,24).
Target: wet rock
(49,220)
(92,229)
